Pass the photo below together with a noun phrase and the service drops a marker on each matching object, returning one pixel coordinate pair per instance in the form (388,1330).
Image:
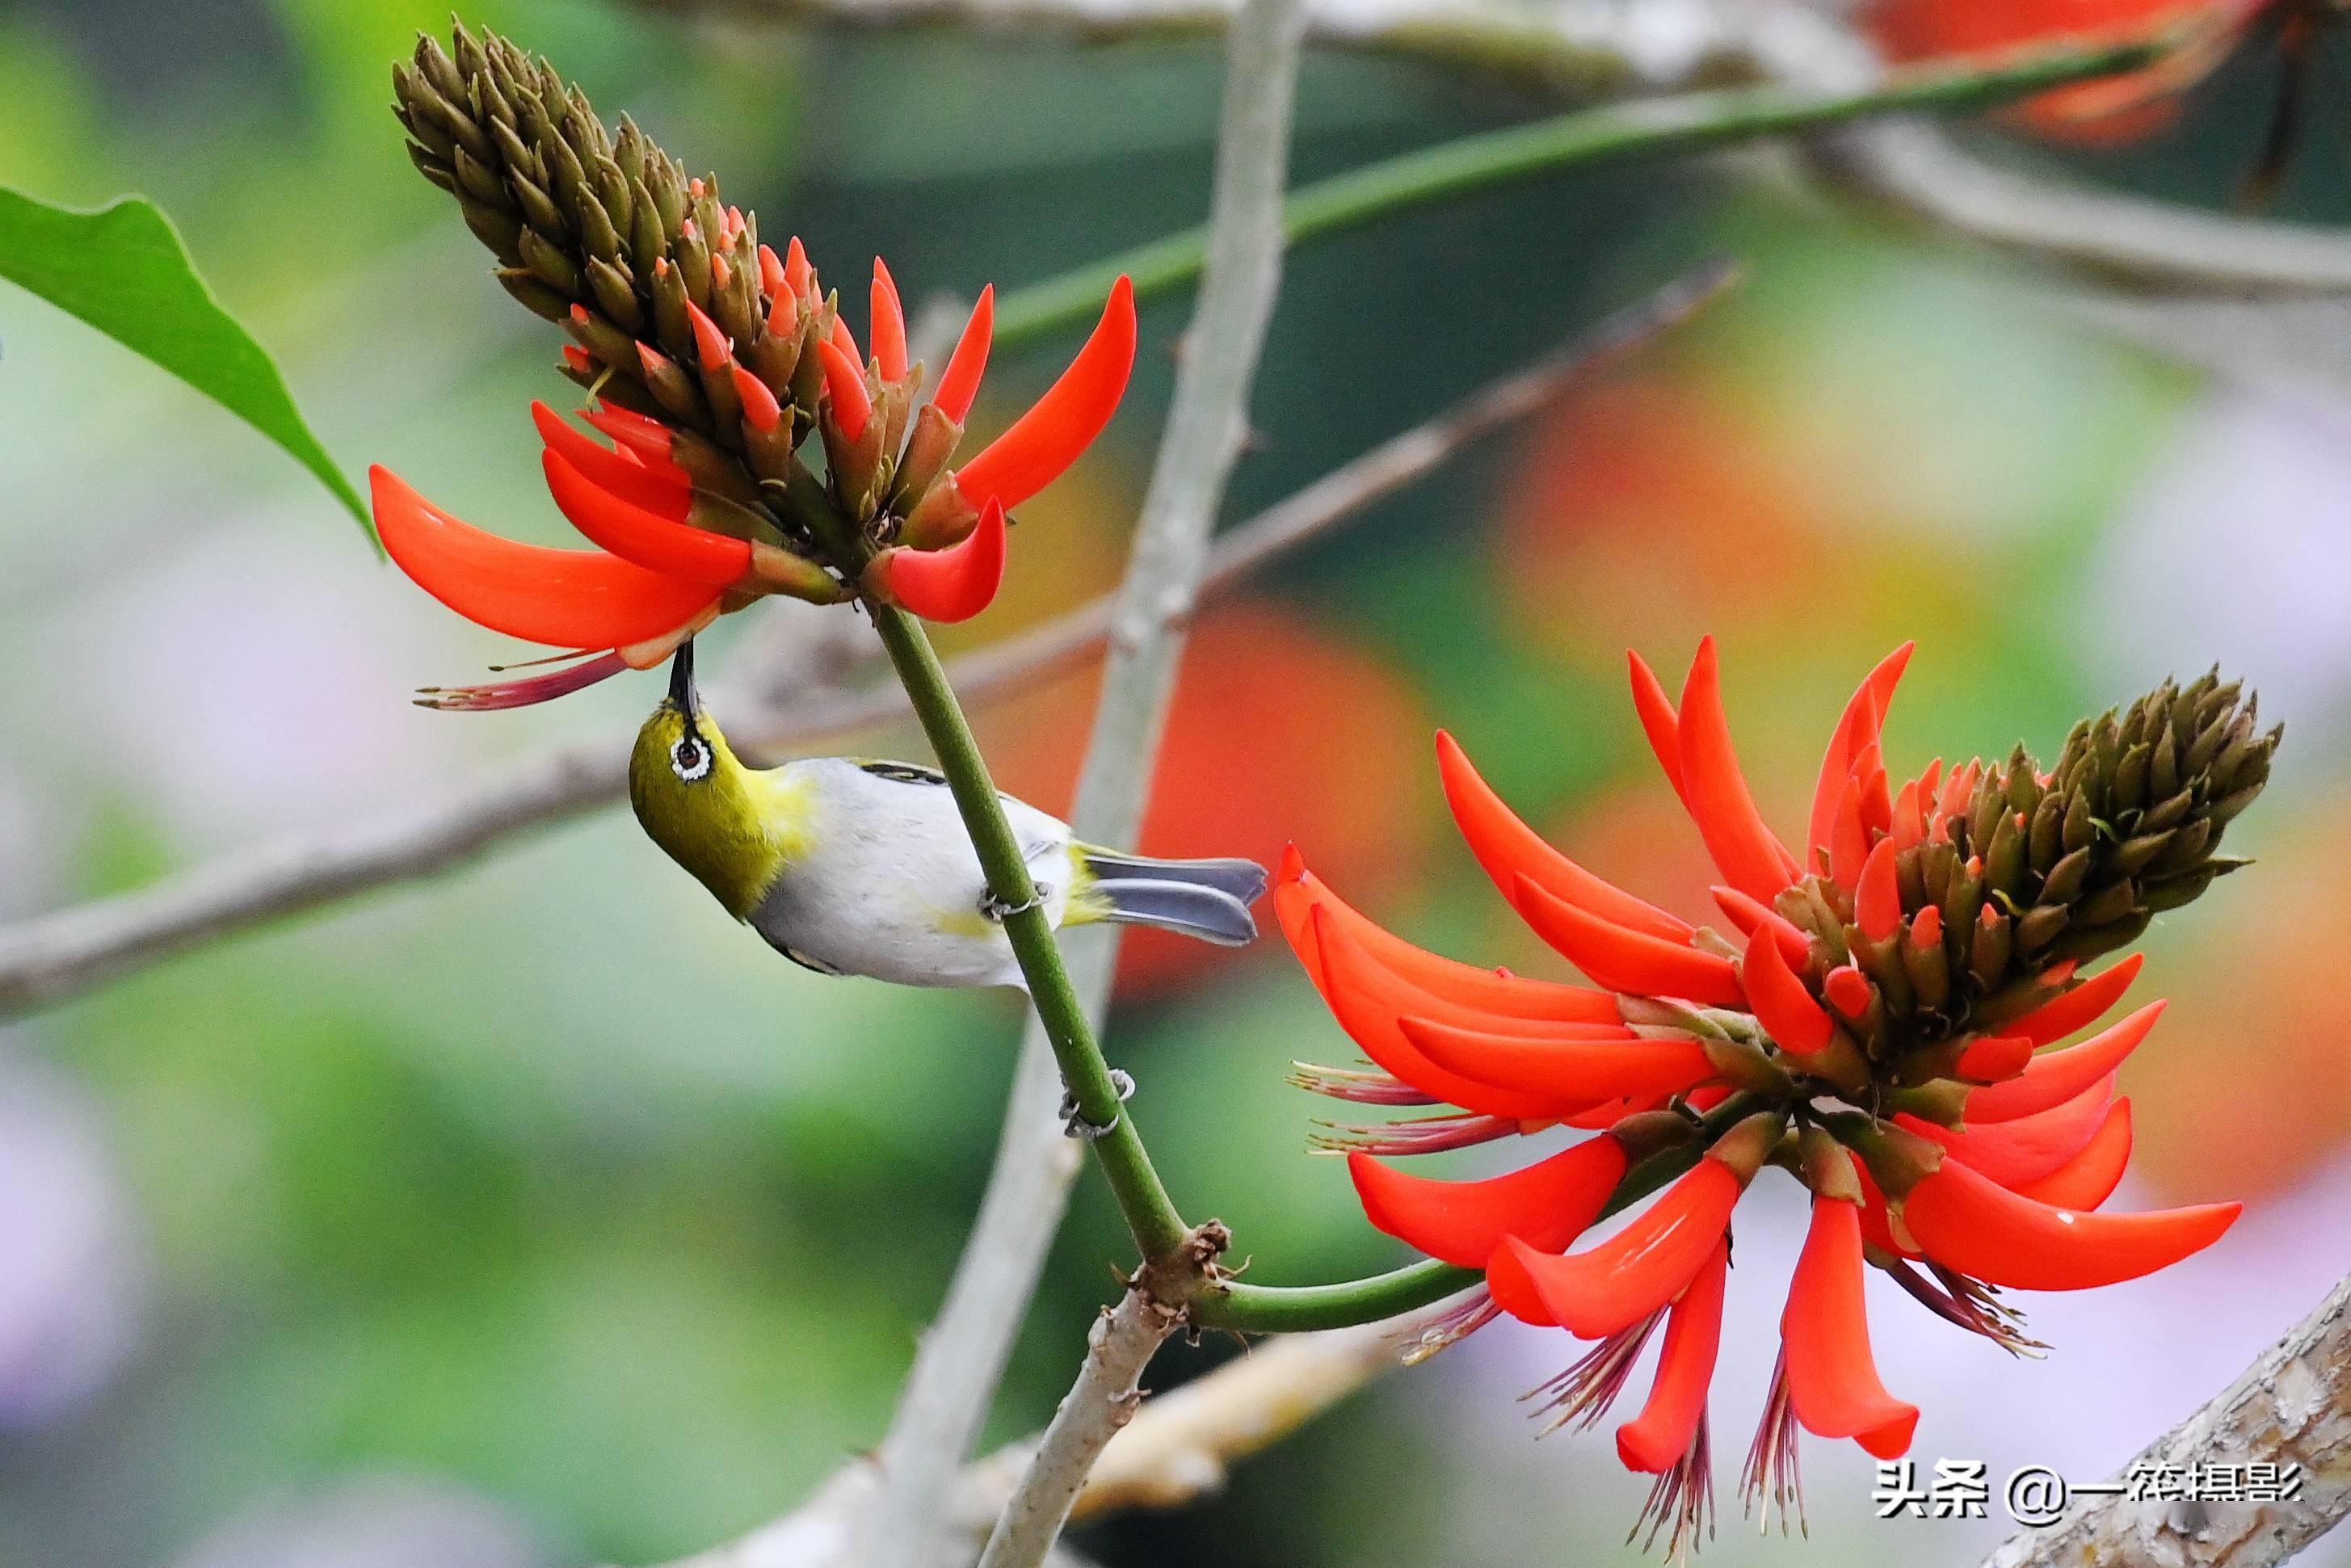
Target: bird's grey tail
(1208,899)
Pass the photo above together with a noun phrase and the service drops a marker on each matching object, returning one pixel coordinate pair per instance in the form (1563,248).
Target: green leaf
(123,270)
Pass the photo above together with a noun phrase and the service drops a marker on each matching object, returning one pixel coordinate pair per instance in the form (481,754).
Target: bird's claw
(997,910)
(1074,1119)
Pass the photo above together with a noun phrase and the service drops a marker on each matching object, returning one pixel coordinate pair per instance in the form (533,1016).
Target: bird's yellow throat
(734,828)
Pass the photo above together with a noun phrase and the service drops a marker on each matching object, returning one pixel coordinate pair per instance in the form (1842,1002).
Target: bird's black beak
(681,681)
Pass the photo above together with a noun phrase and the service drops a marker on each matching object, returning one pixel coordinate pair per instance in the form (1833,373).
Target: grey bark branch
(2292,1407)
(962,1357)
(1098,1404)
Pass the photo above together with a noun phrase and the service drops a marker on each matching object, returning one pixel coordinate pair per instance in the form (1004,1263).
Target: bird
(855,866)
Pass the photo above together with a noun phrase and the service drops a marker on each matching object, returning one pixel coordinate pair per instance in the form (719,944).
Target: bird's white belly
(894,890)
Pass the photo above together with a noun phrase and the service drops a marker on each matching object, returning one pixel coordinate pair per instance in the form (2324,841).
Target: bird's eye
(690,759)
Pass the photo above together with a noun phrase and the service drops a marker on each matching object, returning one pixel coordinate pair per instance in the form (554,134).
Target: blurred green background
(539,1215)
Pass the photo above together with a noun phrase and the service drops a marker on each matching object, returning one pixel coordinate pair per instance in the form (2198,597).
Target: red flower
(1872,1024)
(689,526)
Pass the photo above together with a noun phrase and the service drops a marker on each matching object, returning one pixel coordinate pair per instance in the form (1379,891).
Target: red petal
(1848,837)
(1751,917)
(567,599)
(1564,1066)
(1855,729)
(1848,990)
(2090,1178)
(955,583)
(1782,1005)
(797,270)
(1833,1379)
(889,321)
(852,405)
(646,440)
(710,344)
(1994,1059)
(771,273)
(1298,891)
(1751,859)
(1659,721)
(1509,849)
(655,543)
(2057,1076)
(1655,1441)
(1549,1204)
(842,337)
(1367,1000)
(666,494)
(1065,421)
(960,383)
(1627,961)
(2018,1153)
(1970,1223)
(1615,1284)
(760,408)
(2080,1007)
(1877,903)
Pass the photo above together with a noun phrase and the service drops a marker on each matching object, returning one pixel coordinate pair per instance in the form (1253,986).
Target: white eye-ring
(690,759)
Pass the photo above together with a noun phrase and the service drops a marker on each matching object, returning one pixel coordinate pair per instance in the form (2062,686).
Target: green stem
(1295,1309)
(1159,1230)
(1642,127)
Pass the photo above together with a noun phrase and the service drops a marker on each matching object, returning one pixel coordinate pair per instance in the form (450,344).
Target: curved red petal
(710,344)
(1509,849)
(960,382)
(1857,728)
(663,492)
(1752,861)
(1750,917)
(1993,1058)
(1622,1279)
(2090,1178)
(1512,1288)
(1063,422)
(1655,1441)
(797,270)
(955,583)
(2024,1150)
(1298,890)
(1566,1066)
(1367,1000)
(2057,1076)
(761,411)
(888,320)
(852,405)
(567,599)
(2079,1008)
(1547,1205)
(1625,960)
(1782,1004)
(654,543)
(1658,720)
(1878,902)
(1970,1223)
(1833,1379)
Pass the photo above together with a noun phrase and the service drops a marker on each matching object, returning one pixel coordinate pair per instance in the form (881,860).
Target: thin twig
(2291,1408)
(961,1360)
(1100,1402)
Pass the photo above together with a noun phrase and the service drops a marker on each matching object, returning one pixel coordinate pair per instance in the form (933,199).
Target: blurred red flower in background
(1277,731)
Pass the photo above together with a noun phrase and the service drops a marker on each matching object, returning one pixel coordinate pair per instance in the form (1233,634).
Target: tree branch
(2292,1407)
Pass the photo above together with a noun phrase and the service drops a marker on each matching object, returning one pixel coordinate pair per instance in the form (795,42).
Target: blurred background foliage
(540,1215)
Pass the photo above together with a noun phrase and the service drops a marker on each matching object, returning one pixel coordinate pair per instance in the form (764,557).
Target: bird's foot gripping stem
(1073,1120)
(998,911)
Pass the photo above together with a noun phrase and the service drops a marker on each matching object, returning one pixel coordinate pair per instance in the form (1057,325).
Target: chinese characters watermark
(2037,1495)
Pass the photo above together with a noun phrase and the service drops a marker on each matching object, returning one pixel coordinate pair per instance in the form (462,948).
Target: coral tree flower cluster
(1868,1014)
(715,369)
